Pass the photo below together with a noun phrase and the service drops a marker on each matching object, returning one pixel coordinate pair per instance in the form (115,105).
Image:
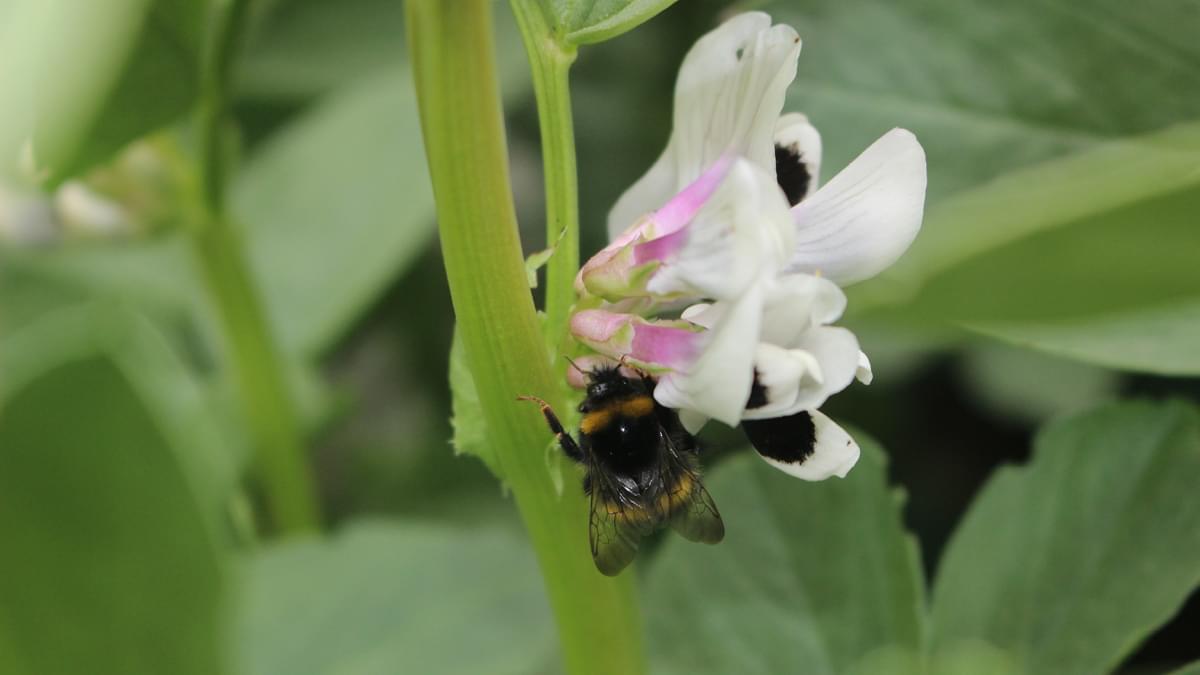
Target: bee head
(607,382)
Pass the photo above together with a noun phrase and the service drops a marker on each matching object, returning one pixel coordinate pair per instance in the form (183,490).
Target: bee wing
(615,530)
(688,506)
(696,516)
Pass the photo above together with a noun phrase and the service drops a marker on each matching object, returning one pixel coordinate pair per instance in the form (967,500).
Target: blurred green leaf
(158,83)
(396,598)
(335,206)
(182,404)
(1105,229)
(110,563)
(1190,669)
(1070,242)
(1129,258)
(470,429)
(974,657)
(305,48)
(1067,110)
(154,275)
(165,61)
(962,658)
(812,577)
(1031,387)
(58,64)
(991,87)
(1122,175)
(1070,562)
(585,21)
(1158,340)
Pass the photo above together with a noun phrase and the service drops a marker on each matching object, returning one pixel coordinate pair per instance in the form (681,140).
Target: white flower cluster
(730,225)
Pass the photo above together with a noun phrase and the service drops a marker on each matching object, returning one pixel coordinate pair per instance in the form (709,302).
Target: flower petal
(836,349)
(730,92)
(650,191)
(696,228)
(864,373)
(742,233)
(782,377)
(807,445)
(863,219)
(786,381)
(797,156)
(728,97)
(796,303)
(653,345)
(717,383)
(692,420)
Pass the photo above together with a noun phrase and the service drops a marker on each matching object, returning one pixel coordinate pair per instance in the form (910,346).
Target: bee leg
(564,439)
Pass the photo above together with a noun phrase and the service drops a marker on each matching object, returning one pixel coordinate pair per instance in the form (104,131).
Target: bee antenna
(575,365)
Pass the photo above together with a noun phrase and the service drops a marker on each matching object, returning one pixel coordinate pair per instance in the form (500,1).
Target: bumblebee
(641,468)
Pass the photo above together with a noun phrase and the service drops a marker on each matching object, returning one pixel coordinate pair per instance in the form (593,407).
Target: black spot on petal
(792,173)
(790,439)
(758,394)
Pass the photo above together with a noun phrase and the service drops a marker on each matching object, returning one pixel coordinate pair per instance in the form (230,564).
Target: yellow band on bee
(596,420)
(676,495)
(637,407)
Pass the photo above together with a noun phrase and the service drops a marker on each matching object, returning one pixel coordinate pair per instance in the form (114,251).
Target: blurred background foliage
(1058,272)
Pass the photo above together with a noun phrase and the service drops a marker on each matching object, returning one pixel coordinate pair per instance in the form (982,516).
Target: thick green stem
(461,118)
(253,357)
(550,62)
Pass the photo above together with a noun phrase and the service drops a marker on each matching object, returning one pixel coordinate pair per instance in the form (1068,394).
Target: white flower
(763,295)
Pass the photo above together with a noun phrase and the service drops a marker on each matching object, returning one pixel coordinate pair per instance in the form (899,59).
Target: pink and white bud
(655,346)
(623,268)
(715,238)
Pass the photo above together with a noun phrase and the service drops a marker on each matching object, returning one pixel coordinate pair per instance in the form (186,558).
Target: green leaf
(962,658)
(1070,562)
(395,598)
(587,21)
(535,261)
(470,429)
(987,87)
(306,48)
(1190,669)
(335,206)
(1100,231)
(1049,198)
(1031,387)
(974,657)
(1087,256)
(152,275)
(165,60)
(176,399)
(1084,187)
(110,563)
(1158,340)
(58,63)
(811,577)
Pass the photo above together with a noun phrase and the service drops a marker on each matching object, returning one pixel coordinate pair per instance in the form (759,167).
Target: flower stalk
(254,357)
(550,61)
(461,118)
